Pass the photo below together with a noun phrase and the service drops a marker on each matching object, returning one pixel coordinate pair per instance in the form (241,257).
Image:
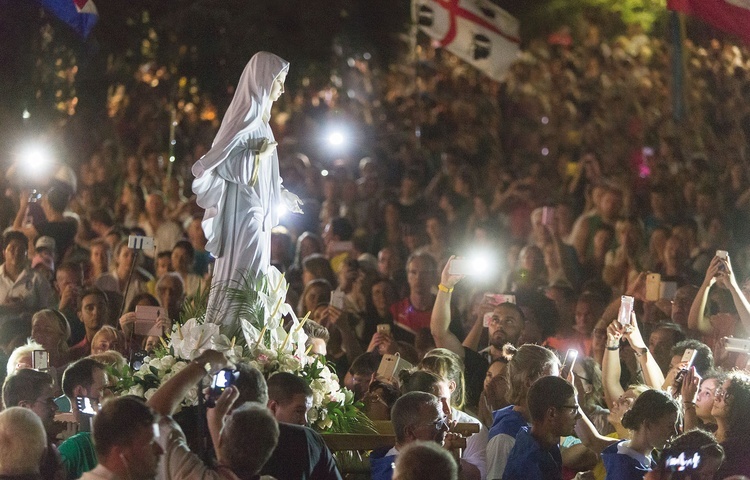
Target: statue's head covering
(245,113)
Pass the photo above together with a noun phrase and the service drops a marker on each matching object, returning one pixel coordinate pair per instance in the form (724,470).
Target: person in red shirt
(411,314)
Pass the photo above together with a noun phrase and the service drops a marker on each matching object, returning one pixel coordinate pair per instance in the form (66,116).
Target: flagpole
(415,61)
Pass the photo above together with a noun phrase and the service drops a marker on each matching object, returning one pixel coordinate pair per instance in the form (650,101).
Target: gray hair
(425,460)
(22,441)
(246,454)
(405,412)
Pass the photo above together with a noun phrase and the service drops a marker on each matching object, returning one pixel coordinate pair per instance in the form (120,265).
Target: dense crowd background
(573,179)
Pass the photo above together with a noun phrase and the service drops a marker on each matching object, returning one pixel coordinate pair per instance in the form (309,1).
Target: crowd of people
(571,185)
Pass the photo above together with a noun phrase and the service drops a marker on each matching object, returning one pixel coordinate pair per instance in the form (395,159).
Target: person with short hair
(22,444)
(420,460)
(34,390)
(84,378)
(554,410)
(289,398)
(93,310)
(415,416)
(126,440)
(22,289)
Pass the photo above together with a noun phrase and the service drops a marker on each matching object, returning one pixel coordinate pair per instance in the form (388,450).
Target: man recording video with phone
(297,452)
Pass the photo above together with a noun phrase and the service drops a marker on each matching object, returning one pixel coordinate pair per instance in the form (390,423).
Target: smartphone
(626,308)
(337,299)
(568,363)
(548,215)
(137,358)
(87,409)
(496,299)
(223,379)
(487,319)
(685,363)
(722,254)
(145,319)
(461,266)
(40,360)
(653,284)
(736,345)
(682,461)
(384,328)
(390,366)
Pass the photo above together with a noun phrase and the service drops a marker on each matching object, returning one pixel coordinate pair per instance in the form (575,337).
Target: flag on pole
(80,15)
(477,31)
(732,16)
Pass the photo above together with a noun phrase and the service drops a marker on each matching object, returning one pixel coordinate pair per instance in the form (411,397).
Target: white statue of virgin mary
(238,183)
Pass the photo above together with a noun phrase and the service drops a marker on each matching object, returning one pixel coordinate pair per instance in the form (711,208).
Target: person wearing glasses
(554,411)
(415,416)
(731,407)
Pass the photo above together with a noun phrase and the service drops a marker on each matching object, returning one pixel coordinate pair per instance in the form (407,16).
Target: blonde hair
(448,366)
(525,364)
(23,441)
(110,332)
(19,352)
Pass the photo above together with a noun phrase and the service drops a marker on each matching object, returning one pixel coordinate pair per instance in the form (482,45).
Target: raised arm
(652,374)
(441,313)
(740,301)
(171,393)
(611,369)
(696,318)
(590,437)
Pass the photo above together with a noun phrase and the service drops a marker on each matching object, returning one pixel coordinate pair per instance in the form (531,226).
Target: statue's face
(277,88)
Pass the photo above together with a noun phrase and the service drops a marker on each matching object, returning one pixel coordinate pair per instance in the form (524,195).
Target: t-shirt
(624,463)
(301,455)
(406,316)
(529,461)
(502,437)
(78,455)
(475,371)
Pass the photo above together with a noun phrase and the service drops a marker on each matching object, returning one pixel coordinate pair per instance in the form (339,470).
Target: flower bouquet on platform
(254,332)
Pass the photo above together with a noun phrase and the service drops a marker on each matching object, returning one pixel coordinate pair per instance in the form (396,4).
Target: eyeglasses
(440,423)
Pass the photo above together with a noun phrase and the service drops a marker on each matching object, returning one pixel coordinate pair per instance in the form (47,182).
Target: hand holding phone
(626,309)
(40,360)
(145,320)
(223,379)
(568,363)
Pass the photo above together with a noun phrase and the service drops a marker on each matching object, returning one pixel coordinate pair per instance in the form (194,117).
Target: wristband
(445,289)
(616,347)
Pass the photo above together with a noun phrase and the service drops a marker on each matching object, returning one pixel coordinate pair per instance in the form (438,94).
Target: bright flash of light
(26,115)
(336,138)
(35,159)
(482,263)
(282,210)
(324,173)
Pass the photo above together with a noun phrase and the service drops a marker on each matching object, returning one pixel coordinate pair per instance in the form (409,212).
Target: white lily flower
(193,338)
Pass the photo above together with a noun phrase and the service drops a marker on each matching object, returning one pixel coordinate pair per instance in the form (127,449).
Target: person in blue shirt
(652,421)
(554,410)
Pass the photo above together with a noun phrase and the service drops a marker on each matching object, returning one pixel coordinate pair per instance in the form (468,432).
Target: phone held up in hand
(223,379)
(568,363)
(626,309)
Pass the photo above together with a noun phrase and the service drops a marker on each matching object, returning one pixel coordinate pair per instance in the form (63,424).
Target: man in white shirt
(22,290)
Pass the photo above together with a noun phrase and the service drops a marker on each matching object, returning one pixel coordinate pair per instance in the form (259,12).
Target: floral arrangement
(255,335)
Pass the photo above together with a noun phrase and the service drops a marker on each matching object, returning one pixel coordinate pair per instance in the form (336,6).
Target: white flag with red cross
(477,31)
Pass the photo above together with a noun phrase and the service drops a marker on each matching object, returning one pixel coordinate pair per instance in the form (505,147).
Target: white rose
(168,361)
(136,390)
(312,415)
(157,364)
(178,367)
(149,393)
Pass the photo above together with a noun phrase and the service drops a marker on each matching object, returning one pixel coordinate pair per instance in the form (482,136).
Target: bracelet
(643,352)
(688,405)
(445,289)
(616,347)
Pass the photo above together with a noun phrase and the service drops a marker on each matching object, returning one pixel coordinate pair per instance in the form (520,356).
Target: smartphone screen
(40,360)
(568,363)
(653,282)
(626,308)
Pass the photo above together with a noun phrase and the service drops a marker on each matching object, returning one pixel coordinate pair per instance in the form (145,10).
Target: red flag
(732,16)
